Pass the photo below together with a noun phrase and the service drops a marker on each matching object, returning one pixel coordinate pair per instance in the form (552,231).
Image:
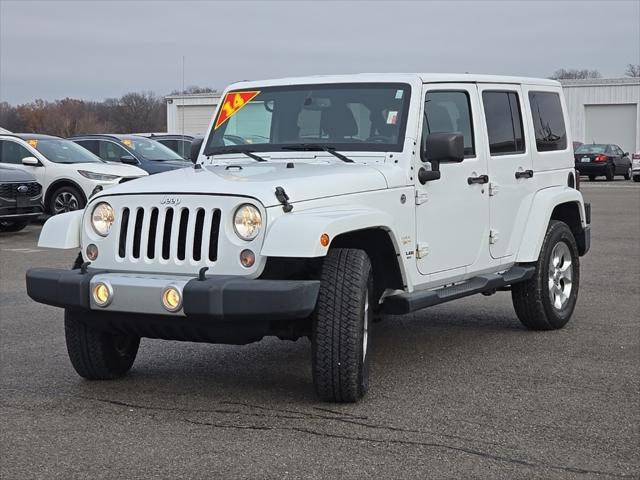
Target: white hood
(304,181)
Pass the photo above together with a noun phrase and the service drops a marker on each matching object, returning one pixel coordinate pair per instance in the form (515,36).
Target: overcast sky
(94,50)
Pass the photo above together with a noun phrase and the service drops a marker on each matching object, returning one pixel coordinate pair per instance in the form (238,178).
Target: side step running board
(410,302)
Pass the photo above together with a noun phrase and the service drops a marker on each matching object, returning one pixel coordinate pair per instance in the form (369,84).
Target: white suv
(68,173)
(315,204)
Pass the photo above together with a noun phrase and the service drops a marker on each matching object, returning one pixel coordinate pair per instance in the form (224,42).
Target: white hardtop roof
(400,78)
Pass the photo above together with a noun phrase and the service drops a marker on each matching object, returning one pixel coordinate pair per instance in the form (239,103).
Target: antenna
(183,93)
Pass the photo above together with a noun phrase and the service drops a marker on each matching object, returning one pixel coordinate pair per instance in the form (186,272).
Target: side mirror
(128,159)
(195,149)
(443,147)
(31,161)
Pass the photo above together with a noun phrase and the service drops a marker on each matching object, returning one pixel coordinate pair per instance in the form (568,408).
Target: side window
(12,152)
(184,148)
(111,152)
(172,144)
(548,121)
(449,111)
(91,145)
(504,122)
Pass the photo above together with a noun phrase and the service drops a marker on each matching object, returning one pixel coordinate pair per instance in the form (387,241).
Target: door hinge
(494,188)
(421,197)
(493,236)
(422,250)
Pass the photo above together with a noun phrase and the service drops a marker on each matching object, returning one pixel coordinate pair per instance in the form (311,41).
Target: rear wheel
(547,301)
(610,173)
(627,175)
(342,326)
(12,225)
(592,178)
(94,354)
(636,178)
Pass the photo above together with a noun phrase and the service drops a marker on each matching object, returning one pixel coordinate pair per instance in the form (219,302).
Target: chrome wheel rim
(365,328)
(560,276)
(65,202)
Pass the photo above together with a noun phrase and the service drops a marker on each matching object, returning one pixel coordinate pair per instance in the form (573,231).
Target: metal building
(600,110)
(605,111)
(191,114)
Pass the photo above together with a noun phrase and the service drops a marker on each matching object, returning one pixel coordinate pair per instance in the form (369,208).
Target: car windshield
(346,117)
(593,148)
(59,150)
(150,149)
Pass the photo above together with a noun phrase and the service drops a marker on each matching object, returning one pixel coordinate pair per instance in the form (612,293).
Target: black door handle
(480,179)
(525,174)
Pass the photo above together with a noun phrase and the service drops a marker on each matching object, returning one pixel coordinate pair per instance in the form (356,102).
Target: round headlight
(247,222)
(102,218)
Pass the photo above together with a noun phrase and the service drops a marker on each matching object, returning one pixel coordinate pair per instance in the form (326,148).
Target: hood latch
(283,198)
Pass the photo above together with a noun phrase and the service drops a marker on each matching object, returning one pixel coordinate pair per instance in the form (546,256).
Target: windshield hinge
(421,197)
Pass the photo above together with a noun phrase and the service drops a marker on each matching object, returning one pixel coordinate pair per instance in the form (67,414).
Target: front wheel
(547,301)
(66,199)
(97,355)
(342,326)
(627,176)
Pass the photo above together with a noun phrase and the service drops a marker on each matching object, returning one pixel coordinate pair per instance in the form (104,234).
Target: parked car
(577,145)
(389,192)
(68,173)
(181,144)
(20,199)
(151,156)
(606,160)
(635,167)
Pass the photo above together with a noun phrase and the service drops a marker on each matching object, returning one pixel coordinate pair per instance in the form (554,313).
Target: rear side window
(504,122)
(548,121)
(446,112)
(91,145)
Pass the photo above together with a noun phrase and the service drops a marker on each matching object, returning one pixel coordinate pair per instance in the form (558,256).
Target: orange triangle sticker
(233,102)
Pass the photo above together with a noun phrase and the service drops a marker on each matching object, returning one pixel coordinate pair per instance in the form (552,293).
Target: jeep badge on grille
(170,201)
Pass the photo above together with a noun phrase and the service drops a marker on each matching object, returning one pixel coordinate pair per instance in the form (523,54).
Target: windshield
(348,117)
(591,149)
(59,150)
(150,149)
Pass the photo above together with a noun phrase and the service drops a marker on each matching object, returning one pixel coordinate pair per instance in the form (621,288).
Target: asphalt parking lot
(457,391)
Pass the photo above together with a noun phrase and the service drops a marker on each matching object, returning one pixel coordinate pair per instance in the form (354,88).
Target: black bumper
(215,299)
(593,168)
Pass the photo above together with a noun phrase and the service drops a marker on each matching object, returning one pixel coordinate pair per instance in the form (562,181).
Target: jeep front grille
(171,233)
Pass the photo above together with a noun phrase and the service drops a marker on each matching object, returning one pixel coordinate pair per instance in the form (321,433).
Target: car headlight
(103,177)
(247,222)
(102,217)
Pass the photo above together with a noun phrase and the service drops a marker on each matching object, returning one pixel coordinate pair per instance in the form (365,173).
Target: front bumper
(215,299)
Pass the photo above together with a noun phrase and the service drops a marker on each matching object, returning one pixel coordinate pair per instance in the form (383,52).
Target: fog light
(247,258)
(102,294)
(172,299)
(98,189)
(92,252)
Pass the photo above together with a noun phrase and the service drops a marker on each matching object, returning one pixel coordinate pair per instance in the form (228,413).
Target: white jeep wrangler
(316,203)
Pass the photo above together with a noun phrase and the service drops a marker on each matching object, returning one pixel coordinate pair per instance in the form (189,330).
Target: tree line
(133,112)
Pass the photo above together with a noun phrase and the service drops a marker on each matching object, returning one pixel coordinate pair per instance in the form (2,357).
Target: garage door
(196,118)
(611,124)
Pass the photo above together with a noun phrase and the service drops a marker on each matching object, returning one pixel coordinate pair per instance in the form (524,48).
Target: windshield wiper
(248,153)
(309,147)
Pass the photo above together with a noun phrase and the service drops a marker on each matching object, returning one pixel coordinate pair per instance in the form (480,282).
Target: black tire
(592,178)
(610,173)
(75,196)
(13,225)
(342,326)
(97,355)
(532,298)
(636,178)
(627,176)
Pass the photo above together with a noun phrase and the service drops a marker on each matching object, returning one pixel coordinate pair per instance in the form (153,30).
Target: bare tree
(632,70)
(574,73)
(193,89)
